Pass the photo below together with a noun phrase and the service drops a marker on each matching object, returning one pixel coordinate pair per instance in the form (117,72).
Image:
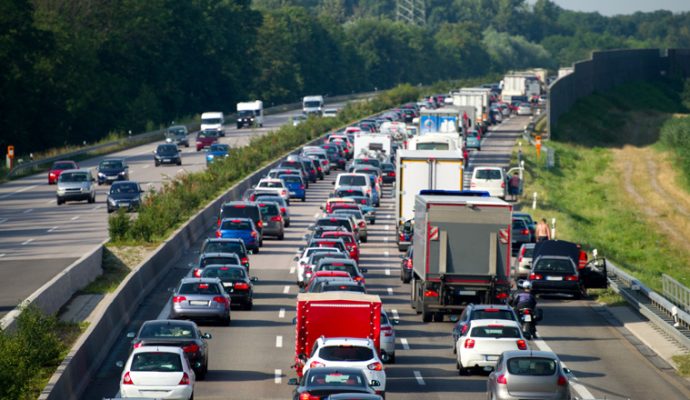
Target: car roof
(530,353)
(334,341)
(158,349)
(489,306)
(219,254)
(199,280)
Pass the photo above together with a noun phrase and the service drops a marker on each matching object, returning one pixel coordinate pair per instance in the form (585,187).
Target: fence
(676,292)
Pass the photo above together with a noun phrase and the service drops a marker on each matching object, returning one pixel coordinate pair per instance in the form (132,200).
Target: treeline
(75,70)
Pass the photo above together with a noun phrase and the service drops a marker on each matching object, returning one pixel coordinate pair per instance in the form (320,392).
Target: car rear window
(531,366)
(328,253)
(270,184)
(240,211)
(432,146)
(333,222)
(291,164)
(336,266)
(495,332)
(224,273)
(291,178)
(529,252)
(167,330)
(235,225)
(519,224)
(222,247)
(199,288)
(342,287)
(492,314)
(370,161)
(219,260)
(156,362)
(487,174)
(346,238)
(554,265)
(330,244)
(346,353)
(269,209)
(317,378)
(344,211)
(352,180)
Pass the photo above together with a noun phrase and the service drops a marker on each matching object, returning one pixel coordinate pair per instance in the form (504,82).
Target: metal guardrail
(676,292)
(661,312)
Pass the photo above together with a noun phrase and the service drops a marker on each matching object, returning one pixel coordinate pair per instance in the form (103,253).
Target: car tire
(248,305)
(179,163)
(281,236)
(462,371)
(391,360)
(92,199)
(110,210)
(406,278)
(201,375)
(157,164)
(438,317)
(427,316)
(60,201)
(373,222)
(364,239)
(287,224)
(226,321)
(256,250)
(304,199)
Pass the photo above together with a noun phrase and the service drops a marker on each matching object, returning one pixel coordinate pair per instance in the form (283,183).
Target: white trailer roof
(429,154)
(462,200)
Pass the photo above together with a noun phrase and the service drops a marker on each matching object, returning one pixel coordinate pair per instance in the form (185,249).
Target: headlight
(122,173)
(101,175)
(209,157)
(112,201)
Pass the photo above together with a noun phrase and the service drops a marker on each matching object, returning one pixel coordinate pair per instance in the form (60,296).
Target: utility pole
(411,11)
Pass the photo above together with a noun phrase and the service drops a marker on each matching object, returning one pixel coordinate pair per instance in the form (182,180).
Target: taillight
(301,186)
(391,174)
(401,236)
(525,231)
(535,277)
(192,348)
(179,299)
(571,278)
(472,184)
(318,169)
(387,331)
(377,366)
(197,273)
(503,185)
(127,380)
(502,296)
(52,174)
(254,234)
(244,261)
(218,221)
(501,380)
(241,286)
(184,380)
(316,364)
(282,210)
(526,311)
(469,343)
(562,380)
(430,293)
(276,218)
(220,299)
(358,279)
(218,234)
(464,330)
(283,192)
(260,224)
(522,345)
(137,345)
(308,396)
(361,224)
(522,254)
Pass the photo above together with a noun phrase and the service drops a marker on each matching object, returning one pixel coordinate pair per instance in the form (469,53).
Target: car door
(594,274)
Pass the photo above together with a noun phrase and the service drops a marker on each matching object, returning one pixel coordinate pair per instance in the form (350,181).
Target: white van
(250,114)
(491,179)
(312,105)
(362,181)
(214,120)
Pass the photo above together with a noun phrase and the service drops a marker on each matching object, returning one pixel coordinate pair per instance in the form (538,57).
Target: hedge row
(675,134)
(178,200)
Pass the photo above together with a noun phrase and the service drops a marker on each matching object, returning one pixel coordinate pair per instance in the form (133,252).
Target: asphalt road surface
(251,358)
(39,238)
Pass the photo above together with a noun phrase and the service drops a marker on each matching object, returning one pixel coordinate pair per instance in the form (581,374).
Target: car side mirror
(294,321)
(120,364)
(293,382)
(374,383)
(454,318)
(567,371)
(130,335)
(254,279)
(396,321)
(153,152)
(207,336)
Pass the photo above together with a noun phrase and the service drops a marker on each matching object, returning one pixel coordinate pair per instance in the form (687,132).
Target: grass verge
(683,364)
(607,296)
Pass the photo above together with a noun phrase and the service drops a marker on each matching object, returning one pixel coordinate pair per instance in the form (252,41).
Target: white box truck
(250,114)
(213,120)
(423,170)
(479,101)
(312,105)
(435,141)
(372,145)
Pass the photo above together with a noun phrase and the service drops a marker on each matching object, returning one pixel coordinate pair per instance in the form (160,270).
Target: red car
(348,238)
(206,138)
(58,167)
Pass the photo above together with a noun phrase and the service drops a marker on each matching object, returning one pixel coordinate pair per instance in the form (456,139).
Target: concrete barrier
(57,291)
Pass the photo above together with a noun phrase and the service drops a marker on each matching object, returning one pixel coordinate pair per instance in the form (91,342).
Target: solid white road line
(28,210)
(387,227)
(2,255)
(3,220)
(388,271)
(279,341)
(405,345)
(278,376)
(17,191)
(579,388)
(286,289)
(52,229)
(281,313)
(385,253)
(292,270)
(27,242)
(385,239)
(390,291)
(418,377)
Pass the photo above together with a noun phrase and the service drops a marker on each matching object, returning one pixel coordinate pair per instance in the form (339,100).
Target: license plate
(554,278)
(124,204)
(527,318)
(227,284)
(467,292)
(198,302)
(293,193)
(491,358)
(166,160)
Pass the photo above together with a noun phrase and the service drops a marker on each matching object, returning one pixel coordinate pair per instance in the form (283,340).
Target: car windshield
(492,313)
(312,104)
(487,174)
(554,265)
(110,164)
(177,131)
(63,165)
(352,180)
(224,273)
(156,362)
(239,211)
(219,260)
(235,225)
(211,121)
(220,147)
(167,150)
(246,113)
(346,353)
(291,178)
(531,366)
(269,209)
(199,288)
(317,378)
(74,177)
(432,146)
(495,331)
(338,266)
(167,330)
(222,247)
(124,188)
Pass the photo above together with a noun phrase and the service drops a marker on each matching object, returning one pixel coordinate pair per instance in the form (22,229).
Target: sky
(612,7)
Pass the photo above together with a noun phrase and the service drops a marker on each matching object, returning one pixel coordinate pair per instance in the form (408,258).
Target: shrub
(119,225)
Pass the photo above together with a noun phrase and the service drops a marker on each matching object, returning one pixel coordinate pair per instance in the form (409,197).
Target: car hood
(110,171)
(124,196)
(72,185)
(217,153)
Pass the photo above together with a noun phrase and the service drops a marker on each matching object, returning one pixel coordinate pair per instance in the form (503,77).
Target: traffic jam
(466,257)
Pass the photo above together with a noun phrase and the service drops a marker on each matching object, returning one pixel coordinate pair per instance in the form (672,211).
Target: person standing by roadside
(542,232)
(514,186)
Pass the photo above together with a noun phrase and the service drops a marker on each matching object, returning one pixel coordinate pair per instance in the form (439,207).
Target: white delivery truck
(372,145)
(435,141)
(312,105)
(395,129)
(250,114)
(479,98)
(424,170)
(515,85)
(213,120)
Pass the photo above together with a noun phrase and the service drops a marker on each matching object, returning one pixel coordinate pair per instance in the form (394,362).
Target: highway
(40,238)
(251,359)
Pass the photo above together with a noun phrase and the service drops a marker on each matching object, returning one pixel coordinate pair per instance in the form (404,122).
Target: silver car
(274,224)
(387,338)
(284,208)
(524,259)
(359,220)
(530,374)
(76,185)
(201,298)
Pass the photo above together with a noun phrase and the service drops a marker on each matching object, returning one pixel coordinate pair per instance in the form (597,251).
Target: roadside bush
(164,211)
(675,134)
(29,354)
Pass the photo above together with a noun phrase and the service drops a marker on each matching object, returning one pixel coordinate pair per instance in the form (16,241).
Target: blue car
(216,151)
(240,228)
(473,141)
(295,186)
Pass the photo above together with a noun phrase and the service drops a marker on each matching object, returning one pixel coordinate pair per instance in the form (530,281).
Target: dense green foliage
(29,355)
(184,196)
(675,134)
(76,70)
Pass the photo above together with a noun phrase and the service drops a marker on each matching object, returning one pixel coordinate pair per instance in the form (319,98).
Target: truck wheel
(426,316)
(438,317)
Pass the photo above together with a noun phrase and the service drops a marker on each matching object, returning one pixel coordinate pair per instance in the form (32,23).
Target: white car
(387,338)
(484,341)
(350,353)
(524,109)
(524,259)
(158,373)
(489,179)
(330,112)
(277,186)
(304,273)
(362,181)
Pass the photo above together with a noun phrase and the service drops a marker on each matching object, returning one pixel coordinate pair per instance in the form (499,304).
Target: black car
(167,153)
(388,173)
(177,134)
(235,282)
(112,169)
(226,245)
(334,156)
(325,381)
(125,194)
(406,265)
(184,334)
(310,168)
(209,258)
(243,209)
